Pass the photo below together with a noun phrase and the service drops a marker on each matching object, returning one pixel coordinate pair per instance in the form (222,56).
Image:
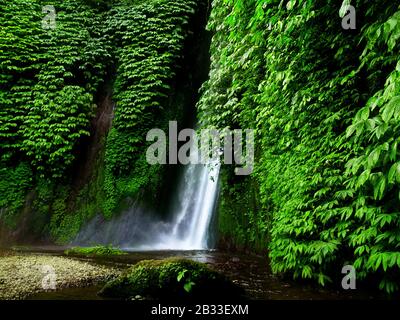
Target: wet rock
(171,278)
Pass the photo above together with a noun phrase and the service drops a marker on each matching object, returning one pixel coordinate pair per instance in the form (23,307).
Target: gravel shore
(22,275)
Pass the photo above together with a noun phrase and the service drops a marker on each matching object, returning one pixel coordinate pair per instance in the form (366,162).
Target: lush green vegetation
(178,278)
(47,83)
(48,78)
(325,104)
(50,86)
(149,40)
(98,251)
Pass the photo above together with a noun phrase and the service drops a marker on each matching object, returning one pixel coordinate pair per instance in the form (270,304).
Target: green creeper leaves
(326,107)
(149,40)
(50,79)
(53,125)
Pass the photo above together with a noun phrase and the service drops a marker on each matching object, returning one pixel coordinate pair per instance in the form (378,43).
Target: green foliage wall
(325,104)
(48,78)
(149,39)
(49,86)
(242,224)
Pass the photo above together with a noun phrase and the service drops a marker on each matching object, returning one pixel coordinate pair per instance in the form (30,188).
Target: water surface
(249,271)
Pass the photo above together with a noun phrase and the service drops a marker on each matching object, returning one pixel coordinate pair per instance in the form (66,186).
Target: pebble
(22,275)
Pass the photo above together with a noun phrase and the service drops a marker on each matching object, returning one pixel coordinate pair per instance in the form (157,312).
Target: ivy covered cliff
(325,104)
(77,101)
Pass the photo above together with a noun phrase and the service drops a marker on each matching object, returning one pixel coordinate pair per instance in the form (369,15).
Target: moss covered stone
(94,251)
(178,278)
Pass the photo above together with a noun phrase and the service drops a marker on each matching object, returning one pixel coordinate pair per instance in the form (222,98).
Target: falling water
(187,229)
(191,223)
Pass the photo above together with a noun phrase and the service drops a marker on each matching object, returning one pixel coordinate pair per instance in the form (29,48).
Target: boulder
(172,279)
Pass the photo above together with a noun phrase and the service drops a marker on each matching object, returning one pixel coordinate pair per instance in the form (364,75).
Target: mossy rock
(171,279)
(98,251)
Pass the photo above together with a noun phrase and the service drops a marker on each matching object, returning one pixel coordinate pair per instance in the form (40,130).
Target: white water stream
(187,229)
(191,223)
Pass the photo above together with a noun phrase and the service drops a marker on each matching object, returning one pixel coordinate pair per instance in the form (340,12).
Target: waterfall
(188,228)
(191,223)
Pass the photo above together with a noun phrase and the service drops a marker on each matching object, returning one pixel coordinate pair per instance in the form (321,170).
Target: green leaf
(379,188)
(181,275)
(394,173)
(363,114)
(188,286)
(373,158)
(363,178)
(387,112)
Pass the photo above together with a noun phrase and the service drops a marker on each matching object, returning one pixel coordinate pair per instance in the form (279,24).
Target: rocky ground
(22,275)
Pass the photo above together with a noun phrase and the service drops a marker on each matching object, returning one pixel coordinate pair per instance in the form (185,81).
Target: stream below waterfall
(249,271)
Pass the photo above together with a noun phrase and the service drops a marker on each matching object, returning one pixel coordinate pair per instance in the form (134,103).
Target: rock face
(176,279)
(23,275)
